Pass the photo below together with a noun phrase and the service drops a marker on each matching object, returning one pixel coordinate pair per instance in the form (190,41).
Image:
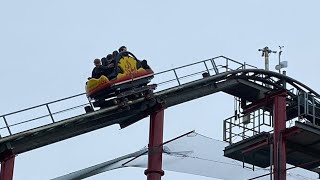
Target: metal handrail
(307,107)
(224,67)
(51,102)
(48,115)
(305,100)
(244,128)
(177,79)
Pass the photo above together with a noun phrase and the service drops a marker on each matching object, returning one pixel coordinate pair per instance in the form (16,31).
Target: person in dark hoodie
(99,69)
(122,49)
(115,55)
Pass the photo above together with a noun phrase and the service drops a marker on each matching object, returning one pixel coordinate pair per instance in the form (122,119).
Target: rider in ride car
(111,65)
(110,61)
(143,63)
(115,55)
(105,60)
(123,51)
(99,69)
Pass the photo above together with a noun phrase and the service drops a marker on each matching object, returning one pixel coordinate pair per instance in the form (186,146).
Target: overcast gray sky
(47,49)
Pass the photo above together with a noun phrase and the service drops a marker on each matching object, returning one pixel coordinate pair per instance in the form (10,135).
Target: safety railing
(308,108)
(42,114)
(237,127)
(61,109)
(194,71)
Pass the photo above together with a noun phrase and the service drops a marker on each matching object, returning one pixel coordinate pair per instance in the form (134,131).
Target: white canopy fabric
(191,153)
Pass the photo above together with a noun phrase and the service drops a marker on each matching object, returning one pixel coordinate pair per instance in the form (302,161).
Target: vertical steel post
(224,130)
(266,57)
(206,67)
(50,113)
(299,116)
(230,131)
(271,160)
(214,66)
(279,144)
(177,78)
(7,125)
(313,111)
(227,64)
(154,171)
(7,166)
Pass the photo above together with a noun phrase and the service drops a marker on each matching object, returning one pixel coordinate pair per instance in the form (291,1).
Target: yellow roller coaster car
(129,73)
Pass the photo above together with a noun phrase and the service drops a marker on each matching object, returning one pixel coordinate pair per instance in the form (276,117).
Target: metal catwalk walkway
(177,86)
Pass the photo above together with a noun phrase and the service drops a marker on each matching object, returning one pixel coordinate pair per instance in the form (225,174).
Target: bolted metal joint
(160,105)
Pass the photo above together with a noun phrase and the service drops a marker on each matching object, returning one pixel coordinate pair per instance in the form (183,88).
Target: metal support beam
(267,100)
(256,146)
(307,151)
(291,132)
(279,147)
(154,171)
(7,165)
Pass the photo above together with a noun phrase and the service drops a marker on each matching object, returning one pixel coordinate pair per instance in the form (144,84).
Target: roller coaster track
(236,81)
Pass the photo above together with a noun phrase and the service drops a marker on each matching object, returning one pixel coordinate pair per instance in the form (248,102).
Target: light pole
(265,53)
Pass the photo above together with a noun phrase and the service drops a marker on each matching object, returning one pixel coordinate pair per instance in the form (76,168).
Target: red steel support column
(279,148)
(154,171)
(7,166)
